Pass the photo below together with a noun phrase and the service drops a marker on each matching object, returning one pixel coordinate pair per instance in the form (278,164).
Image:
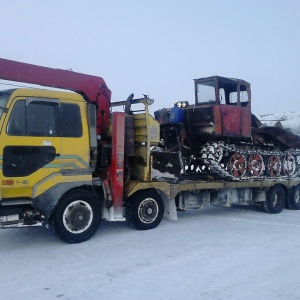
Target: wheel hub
(148,210)
(77,216)
(238,165)
(274,166)
(289,165)
(256,165)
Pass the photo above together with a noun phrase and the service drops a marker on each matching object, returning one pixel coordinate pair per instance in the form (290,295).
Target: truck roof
(28,92)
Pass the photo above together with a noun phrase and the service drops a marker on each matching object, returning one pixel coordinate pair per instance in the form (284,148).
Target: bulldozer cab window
(222,96)
(234,96)
(206,92)
(244,97)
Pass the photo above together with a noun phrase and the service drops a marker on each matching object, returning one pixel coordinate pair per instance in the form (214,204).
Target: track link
(232,163)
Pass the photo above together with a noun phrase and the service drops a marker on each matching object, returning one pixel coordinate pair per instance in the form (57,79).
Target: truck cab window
(4,96)
(16,124)
(69,120)
(41,119)
(34,119)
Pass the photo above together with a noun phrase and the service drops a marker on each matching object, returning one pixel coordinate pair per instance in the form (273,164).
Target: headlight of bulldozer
(182,104)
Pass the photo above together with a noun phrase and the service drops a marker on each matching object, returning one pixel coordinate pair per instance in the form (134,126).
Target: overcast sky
(158,47)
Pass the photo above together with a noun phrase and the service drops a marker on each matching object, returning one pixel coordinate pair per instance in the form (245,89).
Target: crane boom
(92,88)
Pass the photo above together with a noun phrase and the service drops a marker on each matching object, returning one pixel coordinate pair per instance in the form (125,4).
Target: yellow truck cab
(44,151)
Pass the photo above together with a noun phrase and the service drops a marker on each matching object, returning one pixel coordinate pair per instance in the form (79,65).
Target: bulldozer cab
(228,102)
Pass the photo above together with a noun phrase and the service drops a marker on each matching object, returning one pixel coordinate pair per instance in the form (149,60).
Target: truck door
(30,146)
(75,144)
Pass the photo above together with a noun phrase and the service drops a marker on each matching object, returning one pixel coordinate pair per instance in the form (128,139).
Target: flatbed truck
(67,161)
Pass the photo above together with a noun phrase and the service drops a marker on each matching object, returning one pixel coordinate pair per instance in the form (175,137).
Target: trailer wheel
(77,216)
(293,200)
(145,210)
(275,200)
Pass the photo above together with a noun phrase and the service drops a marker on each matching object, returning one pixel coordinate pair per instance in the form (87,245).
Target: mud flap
(170,207)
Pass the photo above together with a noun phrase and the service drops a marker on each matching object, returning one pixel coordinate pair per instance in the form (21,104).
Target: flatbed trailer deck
(268,195)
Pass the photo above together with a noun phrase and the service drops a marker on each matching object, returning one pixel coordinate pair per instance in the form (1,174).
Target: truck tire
(77,216)
(293,200)
(145,210)
(275,200)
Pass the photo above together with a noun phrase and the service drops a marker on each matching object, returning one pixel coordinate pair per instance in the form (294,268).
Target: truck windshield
(206,92)
(4,96)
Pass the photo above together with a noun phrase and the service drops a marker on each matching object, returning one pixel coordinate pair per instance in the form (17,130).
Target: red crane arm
(92,88)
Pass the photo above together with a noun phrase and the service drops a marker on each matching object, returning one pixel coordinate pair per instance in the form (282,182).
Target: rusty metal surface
(279,136)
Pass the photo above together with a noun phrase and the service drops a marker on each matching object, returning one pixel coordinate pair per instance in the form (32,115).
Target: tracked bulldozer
(218,136)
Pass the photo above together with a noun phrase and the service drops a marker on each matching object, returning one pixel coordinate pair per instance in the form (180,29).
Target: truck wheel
(77,216)
(145,210)
(275,201)
(293,201)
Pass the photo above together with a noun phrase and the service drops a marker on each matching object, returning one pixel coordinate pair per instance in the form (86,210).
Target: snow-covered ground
(211,253)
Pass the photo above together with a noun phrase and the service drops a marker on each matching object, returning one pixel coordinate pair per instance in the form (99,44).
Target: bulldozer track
(232,163)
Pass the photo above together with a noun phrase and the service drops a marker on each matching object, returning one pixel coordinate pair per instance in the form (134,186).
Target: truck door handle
(57,154)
